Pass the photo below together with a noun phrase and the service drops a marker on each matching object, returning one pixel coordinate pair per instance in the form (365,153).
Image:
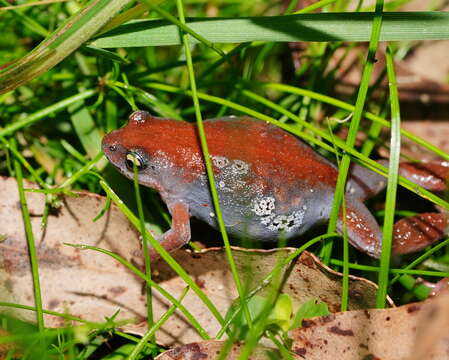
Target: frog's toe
(414,233)
(363,230)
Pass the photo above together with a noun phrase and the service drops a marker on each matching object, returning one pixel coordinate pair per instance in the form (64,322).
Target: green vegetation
(73,71)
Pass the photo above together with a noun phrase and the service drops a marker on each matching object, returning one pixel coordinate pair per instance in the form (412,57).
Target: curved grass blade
(397,26)
(62,42)
(392,182)
(209,169)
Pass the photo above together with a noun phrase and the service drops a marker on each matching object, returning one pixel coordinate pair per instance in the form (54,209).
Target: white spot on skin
(240,167)
(229,178)
(220,161)
(264,206)
(287,223)
(212,214)
(139,117)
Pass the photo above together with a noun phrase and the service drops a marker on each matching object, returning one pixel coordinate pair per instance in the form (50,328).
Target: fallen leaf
(93,286)
(210,350)
(86,284)
(406,332)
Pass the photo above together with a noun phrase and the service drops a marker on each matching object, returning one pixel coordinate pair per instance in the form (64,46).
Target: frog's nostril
(112,147)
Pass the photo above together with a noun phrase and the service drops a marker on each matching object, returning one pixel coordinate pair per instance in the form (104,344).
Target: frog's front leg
(179,233)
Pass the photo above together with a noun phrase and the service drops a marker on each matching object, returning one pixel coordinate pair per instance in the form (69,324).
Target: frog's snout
(111,147)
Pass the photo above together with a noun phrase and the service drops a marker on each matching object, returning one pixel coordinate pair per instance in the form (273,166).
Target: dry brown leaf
(211,348)
(432,335)
(309,279)
(92,286)
(387,334)
(86,284)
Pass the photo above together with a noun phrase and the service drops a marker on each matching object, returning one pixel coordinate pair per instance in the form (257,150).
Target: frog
(270,184)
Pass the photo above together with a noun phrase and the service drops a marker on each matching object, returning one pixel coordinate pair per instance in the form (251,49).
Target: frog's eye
(137,159)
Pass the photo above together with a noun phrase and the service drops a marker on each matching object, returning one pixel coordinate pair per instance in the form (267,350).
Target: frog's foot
(431,175)
(362,228)
(179,233)
(414,233)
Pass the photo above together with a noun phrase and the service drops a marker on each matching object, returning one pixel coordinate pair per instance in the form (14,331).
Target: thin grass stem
(31,244)
(209,168)
(392,182)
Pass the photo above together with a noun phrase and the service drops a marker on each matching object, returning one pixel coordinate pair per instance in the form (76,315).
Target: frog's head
(160,149)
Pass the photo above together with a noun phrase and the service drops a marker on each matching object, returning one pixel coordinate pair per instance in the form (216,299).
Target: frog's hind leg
(410,234)
(363,230)
(431,175)
(364,183)
(414,233)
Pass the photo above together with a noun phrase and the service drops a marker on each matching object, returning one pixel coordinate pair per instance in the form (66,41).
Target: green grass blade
(164,253)
(26,20)
(41,114)
(68,37)
(353,128)
(182,25)
(49,312)
(209,169)
(392,181)
(397,26)
(87,131)
(31,246)
(314,6)
(150,282)
(392,271)
(422,257)
(152,331)
(145,242)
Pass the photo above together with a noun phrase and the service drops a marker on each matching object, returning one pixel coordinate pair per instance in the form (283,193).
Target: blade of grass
(31,244)
(392,271)
(209,169)
(150,282)
(49,312)
(41,114)
(314,6)
(87,131)
(421,258)
(28,22)
(349,26)
(353,128)
(392,182)
(150,334)
(61,43)
(145,242)
(182,25)
(349,107)
(267,279)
